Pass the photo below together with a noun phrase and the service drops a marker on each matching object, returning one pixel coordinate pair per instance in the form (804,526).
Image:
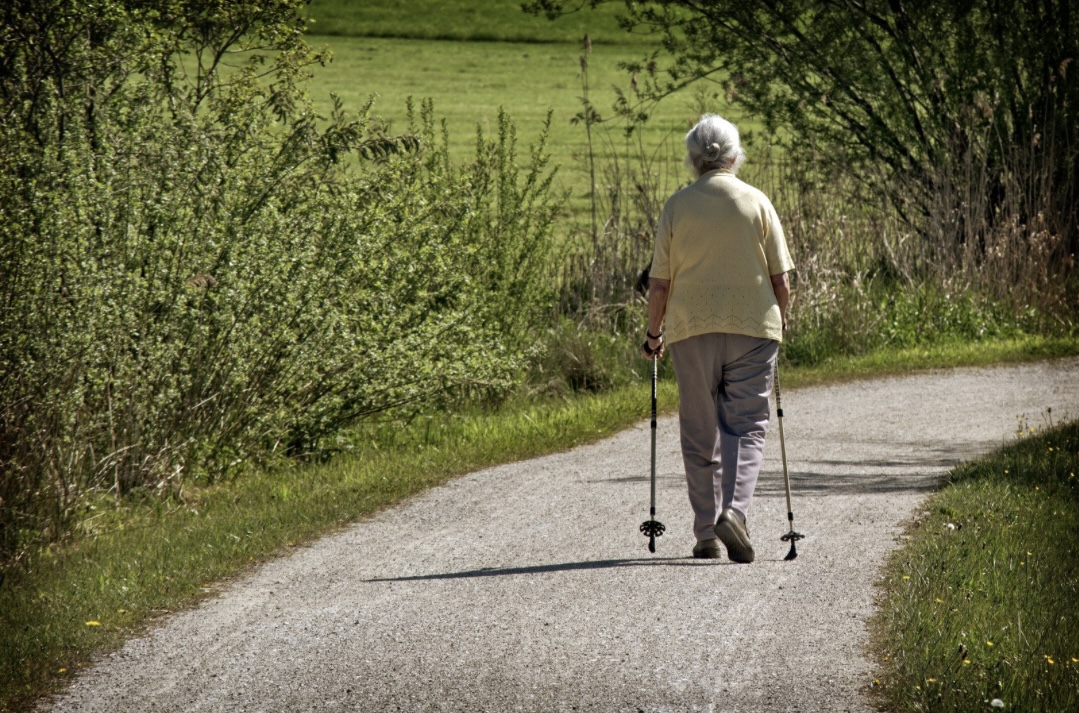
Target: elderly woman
(719,281)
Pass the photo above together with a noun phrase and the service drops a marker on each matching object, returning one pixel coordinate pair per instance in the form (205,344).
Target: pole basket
(792,537)
(652,529)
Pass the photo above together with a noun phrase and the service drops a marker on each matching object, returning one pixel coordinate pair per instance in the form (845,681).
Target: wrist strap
(649,350)
(653,336)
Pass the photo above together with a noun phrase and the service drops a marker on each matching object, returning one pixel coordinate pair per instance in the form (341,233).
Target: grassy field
(126,565)
(469,81)
(473,57)
(979,609)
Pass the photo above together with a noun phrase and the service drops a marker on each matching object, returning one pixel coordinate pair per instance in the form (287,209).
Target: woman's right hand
(655,345)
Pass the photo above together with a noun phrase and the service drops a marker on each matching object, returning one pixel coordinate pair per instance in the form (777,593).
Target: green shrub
(198,278)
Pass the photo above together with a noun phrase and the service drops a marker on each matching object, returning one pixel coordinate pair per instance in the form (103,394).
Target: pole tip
(652,544)
(792,554)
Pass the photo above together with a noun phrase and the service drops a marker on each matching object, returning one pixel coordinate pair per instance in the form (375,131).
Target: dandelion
(938,600)
(93,623)
(931,680)
(62,670)
(121,611)
(1049,658)
(906,576)
(966,662)
(988,643)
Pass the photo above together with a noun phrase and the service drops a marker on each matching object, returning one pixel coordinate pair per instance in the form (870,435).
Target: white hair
(713,143)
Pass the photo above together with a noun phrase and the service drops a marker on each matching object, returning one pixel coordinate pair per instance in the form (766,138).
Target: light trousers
(724,381)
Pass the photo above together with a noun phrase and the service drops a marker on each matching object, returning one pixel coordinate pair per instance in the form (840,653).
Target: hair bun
(712,152)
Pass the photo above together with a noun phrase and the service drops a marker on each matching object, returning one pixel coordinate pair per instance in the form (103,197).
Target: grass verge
(944,355)
(127,565)
(978,611)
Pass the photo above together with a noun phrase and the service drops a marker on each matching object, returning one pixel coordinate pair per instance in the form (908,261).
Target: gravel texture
(526,587)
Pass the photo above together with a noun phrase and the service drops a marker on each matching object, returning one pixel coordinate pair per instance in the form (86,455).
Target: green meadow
(470,59)
(469,81)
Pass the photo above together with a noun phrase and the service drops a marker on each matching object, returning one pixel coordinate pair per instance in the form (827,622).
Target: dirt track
(527,587)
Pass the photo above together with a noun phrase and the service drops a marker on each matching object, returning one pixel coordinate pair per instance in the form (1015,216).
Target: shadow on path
(563,567)
(906,467)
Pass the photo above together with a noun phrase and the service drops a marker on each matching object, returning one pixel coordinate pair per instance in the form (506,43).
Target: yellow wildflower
(988,643)
(93,623)
(966,662)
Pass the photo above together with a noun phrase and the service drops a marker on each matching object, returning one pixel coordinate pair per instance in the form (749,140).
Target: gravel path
(526,587)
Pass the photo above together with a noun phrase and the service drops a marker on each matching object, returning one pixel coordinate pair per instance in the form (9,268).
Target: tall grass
(988,262)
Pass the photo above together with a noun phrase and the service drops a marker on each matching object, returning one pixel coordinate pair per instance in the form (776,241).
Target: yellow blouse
(718,241)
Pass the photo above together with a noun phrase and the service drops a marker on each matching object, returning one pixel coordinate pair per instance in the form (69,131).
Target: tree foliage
(915,91)
(197,271)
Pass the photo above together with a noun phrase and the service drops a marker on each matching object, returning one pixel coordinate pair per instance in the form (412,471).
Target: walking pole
(791,536)
(653,528)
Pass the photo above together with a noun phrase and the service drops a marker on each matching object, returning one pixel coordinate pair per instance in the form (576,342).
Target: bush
(200,273)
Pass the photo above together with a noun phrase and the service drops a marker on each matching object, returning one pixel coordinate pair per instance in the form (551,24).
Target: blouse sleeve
(775,243)
(661,258)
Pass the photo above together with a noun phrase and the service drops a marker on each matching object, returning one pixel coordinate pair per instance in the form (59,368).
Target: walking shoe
(732,531)
(706,549)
